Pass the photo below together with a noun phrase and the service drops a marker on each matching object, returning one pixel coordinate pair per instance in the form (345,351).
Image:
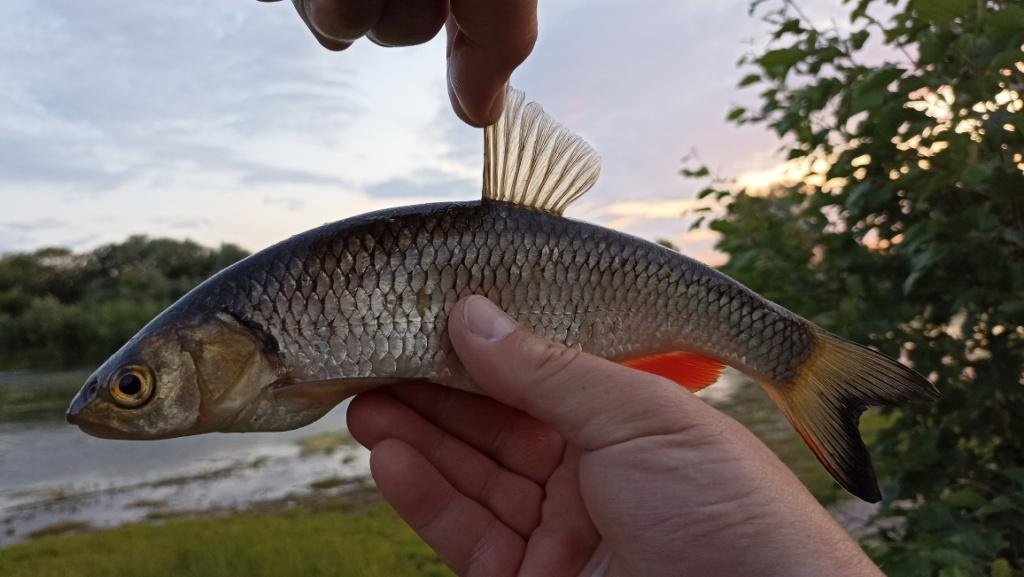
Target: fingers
(516,440)
(345,20)
(326,42)
(467,537)
(566,538)
(338,23)
(488,40)
(592,402)
(409,22)
(515,500)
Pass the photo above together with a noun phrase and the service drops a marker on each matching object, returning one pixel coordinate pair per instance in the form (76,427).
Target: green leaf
(1015,473)
(909,566)
(750,79)
(791,26)
(872,89)
(699,172)
(858,38)
(950,557)
(931,47)
(1007,58)
(860,11)
(941,11)
(736,113)
(1000,504)
(965,498)
(1001,568)
(975,176)
(776,63)
(1006,23)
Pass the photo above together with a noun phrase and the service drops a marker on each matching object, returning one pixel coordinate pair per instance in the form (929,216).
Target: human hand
(580,466)
(487,40)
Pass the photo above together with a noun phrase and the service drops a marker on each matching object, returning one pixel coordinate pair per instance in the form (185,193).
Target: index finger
(491,38)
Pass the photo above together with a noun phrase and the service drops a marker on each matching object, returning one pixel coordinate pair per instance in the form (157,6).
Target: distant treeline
(61,309)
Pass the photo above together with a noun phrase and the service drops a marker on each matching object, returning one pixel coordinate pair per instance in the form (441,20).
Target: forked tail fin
(824,402)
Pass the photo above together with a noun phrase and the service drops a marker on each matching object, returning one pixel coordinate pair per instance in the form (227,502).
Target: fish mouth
(75,415)
(80,402)
(100,431)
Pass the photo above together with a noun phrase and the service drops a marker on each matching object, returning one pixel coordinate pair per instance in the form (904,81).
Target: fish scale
(379,291)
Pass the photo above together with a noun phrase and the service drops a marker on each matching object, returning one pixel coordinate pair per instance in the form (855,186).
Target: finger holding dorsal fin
(532,160)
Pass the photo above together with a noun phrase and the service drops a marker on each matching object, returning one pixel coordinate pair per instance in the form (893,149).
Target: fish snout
(82,399)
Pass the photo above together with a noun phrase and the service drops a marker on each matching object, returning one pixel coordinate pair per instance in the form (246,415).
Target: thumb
(590,401)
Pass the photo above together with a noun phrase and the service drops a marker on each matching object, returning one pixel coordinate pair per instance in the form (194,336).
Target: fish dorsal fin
(532,160)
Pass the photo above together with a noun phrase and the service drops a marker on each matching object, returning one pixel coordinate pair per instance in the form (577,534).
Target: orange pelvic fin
(690,370)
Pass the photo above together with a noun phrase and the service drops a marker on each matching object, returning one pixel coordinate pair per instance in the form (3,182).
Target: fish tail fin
(832,388)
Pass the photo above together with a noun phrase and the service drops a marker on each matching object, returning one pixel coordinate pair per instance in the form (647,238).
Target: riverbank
(200,506)
(265,477)
(352,534)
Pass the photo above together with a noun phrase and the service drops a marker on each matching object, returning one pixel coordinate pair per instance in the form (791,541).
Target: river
(55,479)
(53,476)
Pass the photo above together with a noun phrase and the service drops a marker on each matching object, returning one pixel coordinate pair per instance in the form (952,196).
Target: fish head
(183,374)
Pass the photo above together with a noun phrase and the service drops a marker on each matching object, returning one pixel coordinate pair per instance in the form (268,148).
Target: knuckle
(517,49)
(555,362)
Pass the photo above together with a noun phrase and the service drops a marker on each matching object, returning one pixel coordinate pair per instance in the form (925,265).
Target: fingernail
(486,320)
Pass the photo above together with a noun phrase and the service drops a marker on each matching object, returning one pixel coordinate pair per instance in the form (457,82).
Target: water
(55,478)
(52,474)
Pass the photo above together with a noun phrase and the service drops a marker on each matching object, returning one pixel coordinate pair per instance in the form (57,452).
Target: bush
(906,231)
(59,309)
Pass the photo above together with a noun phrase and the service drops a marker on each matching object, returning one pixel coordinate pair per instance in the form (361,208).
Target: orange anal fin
(690,370)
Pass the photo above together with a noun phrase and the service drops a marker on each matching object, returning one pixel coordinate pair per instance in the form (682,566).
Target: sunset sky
(224,121)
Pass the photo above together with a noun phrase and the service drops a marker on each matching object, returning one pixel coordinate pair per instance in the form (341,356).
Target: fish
(278,339)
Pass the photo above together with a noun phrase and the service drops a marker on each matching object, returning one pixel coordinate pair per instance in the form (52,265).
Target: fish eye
(131,387)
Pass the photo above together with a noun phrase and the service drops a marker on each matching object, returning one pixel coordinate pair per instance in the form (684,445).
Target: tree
(60,309)
(906,232)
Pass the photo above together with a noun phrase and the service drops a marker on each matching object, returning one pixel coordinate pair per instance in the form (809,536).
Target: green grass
(336,537)
(307,542)
(328,483)
(325,443)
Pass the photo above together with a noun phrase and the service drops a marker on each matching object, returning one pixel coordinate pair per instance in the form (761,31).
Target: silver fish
(277,340)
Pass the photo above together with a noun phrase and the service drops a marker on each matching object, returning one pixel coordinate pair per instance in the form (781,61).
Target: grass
(333,536)
(328,483)
(61,528)
(369,541)
(325,443)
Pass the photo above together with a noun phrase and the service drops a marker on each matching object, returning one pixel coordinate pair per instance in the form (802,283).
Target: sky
(225,121)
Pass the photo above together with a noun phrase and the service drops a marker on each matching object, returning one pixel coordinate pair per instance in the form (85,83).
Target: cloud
(100,94)
(288,203)
(28,234)
(182,223)
(429,185)
(115,115)
(37,225)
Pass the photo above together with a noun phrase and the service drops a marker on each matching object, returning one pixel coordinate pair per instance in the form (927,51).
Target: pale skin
(487,40)
(570,465)
(567,465)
